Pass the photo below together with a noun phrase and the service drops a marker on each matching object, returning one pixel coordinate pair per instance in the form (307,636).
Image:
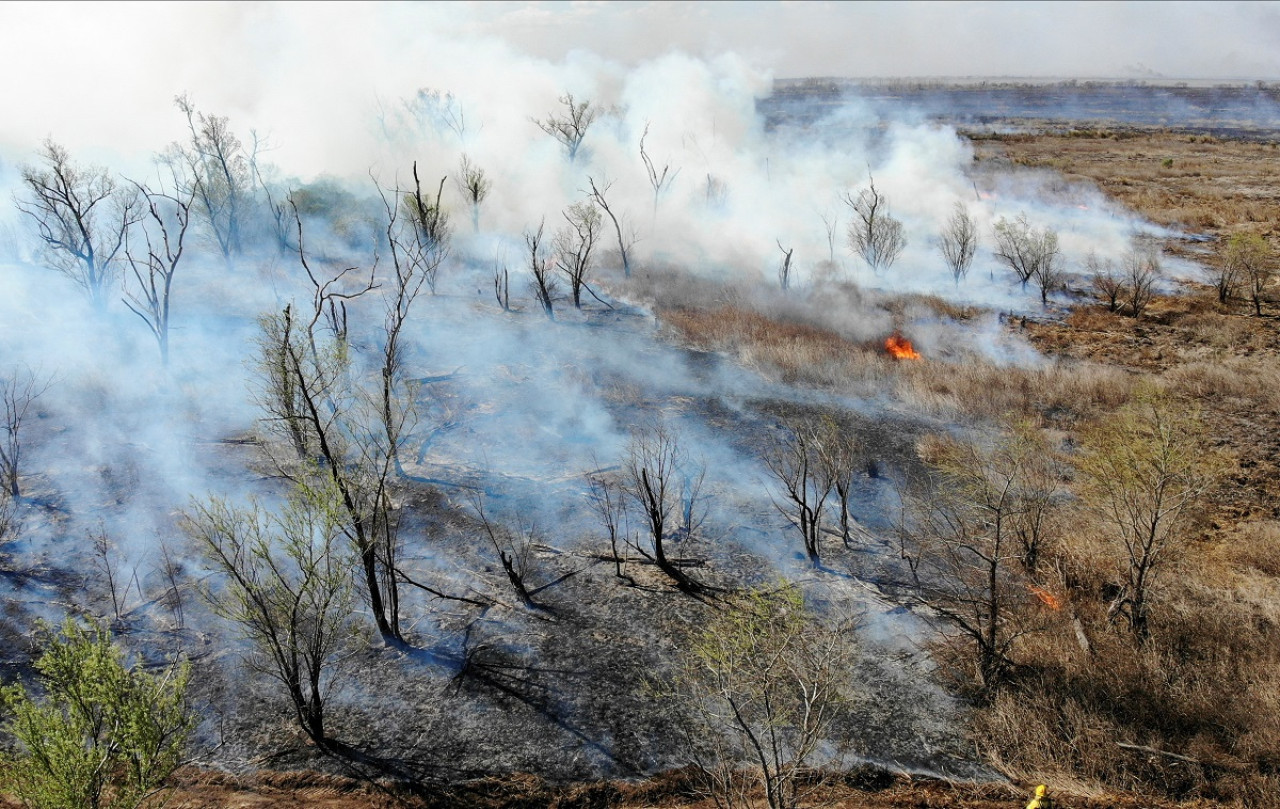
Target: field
(532,672)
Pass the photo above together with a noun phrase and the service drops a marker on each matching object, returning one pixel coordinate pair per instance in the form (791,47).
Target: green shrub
(105,735)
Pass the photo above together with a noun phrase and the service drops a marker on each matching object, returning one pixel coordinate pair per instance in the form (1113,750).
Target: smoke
(523,406)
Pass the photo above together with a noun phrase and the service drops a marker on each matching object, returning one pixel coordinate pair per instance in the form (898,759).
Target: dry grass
(1199,183)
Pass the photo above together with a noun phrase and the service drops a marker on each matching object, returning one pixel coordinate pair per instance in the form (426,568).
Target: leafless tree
(474,185)
(119,584)
(415,261)
(17,392)
(1106,281)
(514,549)
(959,241)
(502,285)
(654,482)
(1030,253)
(839,456)
(658,179)
(873,233)
(625,242)
(1142,273)
(831,225)
(570,126)
(795,460)
(286,583)
(574,245)
(543,282)
(82,216)
(604,492)
(1249,260)
(784,269)
(439,109)
(218,173)
(164,235)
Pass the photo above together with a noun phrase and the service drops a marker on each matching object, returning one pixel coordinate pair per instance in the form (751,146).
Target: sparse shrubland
(466,538)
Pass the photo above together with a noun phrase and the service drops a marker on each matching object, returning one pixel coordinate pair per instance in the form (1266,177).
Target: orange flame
(1050,600)
(900,347)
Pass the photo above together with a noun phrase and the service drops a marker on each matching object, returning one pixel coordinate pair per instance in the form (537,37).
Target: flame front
(1050,600)
(900,347)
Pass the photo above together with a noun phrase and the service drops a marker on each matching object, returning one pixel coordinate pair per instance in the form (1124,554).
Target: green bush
(105,735)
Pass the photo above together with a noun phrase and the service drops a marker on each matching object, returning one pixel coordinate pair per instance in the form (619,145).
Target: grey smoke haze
(100,75)
(122,442)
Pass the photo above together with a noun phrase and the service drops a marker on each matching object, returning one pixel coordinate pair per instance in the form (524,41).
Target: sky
(1183,40)
(101,77)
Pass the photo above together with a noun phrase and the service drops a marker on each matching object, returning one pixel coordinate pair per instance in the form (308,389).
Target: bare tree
(82,216)
(438,109)
(784,269)
(653,481)
(17,392)
(415,261)
(874,234)
(574,245)
(1142,273)
(839,455)
(605,494)
(514,549)
(1249,260)
(1030,253)
(1106,281)
(1145,470)
(1226,279)
(831,225)
(502,285)
(543,282)
(959,241)
(570,126)
(795,460)
(764,681)
(625,242)
(474,185)
(218,173)
(118,582)
(164,239)
(658,179)
(286,583)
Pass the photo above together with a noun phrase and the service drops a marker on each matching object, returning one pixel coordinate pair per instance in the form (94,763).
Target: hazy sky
(1100,39)
(103,75)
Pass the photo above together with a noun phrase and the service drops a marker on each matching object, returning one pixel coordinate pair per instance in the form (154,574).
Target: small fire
(900,348)
(1050,600)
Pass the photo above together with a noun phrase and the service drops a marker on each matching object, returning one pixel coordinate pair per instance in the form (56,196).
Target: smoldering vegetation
(484,362)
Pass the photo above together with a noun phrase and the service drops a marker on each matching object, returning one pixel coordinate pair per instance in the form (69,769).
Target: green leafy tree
(1248,259)
(764,681)
(1145,470)
(104,735)
(287,584)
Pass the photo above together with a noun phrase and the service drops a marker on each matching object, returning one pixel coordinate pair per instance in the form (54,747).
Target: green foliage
(105,734)
(288,587)
(764,681)
(1144,472)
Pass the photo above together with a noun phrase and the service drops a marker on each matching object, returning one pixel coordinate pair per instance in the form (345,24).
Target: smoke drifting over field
(520,406)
